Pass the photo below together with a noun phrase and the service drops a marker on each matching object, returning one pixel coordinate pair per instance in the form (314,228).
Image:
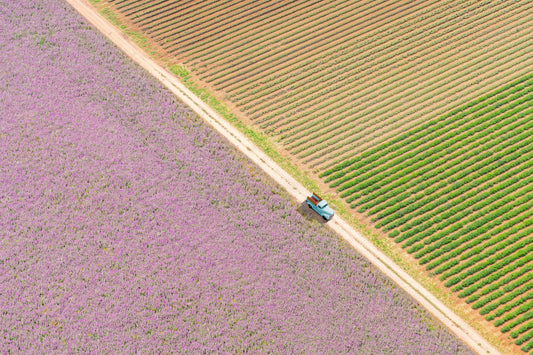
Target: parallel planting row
(331,78)
(457,193)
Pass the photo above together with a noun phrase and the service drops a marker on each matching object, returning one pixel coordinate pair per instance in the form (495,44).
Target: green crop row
(520,254)
(520,310)
(526,336)
(477,286)
(496,229)
(515,242)
(476,163)
(509,306)
(446,237)
(489,303)
(437,173)
(503,199)
(424,228)
(522,329)
(527,347)
(458,189)
(496,285)
(476,201)
(469,241)
(432,174)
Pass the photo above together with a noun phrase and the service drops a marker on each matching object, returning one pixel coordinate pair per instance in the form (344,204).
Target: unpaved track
(456,325)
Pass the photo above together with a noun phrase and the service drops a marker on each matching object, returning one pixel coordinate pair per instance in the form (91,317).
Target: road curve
(453,322)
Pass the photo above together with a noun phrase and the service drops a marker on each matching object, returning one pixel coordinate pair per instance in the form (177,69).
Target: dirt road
(456,325)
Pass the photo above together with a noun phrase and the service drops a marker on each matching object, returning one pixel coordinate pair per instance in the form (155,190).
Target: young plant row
(448,143)
(347,49)
(423,130)
(453,190)
(370,112)
(142,9)
(266,25)
(359,59)
(192,20)
(389,40)
(342,97)
(394,56)
(432,177)
(346,37)
(348,137)
(332,32)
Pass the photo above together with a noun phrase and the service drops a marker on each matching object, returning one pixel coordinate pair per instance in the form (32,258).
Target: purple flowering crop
(128,226)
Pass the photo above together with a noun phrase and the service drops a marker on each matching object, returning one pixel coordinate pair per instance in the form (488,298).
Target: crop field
(129,226)
(417,113)
(331,78)
(457,193)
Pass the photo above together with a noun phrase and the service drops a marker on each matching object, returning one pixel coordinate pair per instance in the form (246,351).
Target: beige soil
(317,47)
(201,27)
(233,38)
(464,85)
(359,37)
(331,30)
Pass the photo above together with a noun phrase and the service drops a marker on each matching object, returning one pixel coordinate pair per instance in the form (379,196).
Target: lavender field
(128,226)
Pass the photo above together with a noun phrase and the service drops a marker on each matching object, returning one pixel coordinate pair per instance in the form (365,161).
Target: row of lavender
(127,225)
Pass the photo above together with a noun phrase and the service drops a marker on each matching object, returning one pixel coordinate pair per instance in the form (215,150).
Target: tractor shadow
(309,214)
